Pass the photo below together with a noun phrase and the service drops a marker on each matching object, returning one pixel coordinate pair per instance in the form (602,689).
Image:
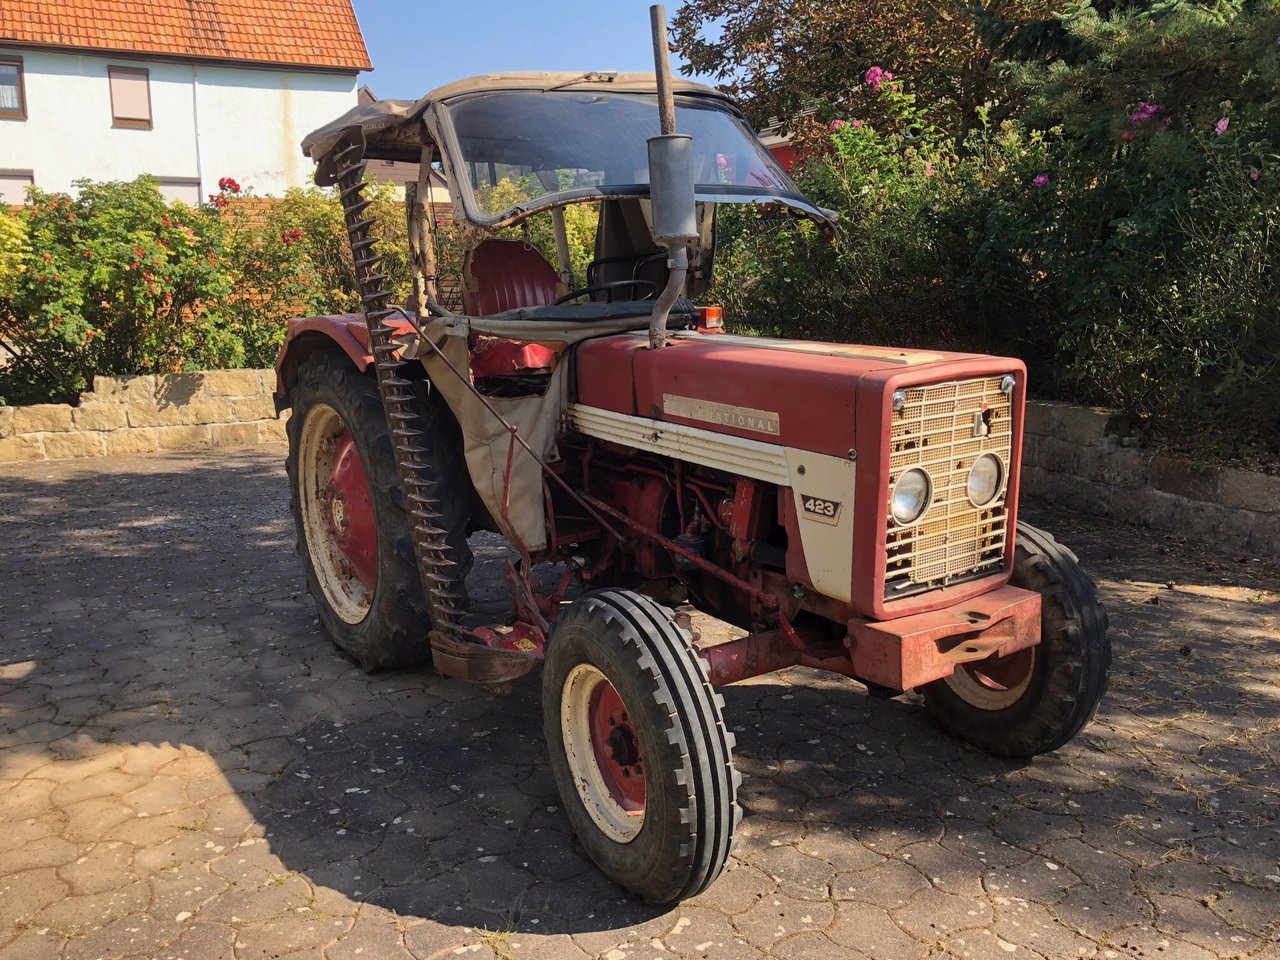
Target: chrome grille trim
(954,540)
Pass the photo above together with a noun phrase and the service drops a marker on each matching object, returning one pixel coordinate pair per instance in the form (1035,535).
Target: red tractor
(852,508)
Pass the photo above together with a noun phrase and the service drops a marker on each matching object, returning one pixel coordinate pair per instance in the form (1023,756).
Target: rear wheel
(1037,699)
(348,510)
(639,748)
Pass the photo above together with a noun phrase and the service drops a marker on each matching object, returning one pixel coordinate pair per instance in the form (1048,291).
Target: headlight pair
(913,492)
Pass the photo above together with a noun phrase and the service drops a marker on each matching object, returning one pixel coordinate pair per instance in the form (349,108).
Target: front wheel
(1037,699)
(639,748)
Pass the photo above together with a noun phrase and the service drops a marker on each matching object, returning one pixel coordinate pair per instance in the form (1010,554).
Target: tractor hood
(795,393)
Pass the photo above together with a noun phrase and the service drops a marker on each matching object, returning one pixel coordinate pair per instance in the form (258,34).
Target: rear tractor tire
(639,748)
(1037,699)
(348,510)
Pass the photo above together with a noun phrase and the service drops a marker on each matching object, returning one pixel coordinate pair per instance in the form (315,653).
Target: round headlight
(985,478)
(911,496)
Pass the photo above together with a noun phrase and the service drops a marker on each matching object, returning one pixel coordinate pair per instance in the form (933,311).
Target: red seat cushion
(502,275)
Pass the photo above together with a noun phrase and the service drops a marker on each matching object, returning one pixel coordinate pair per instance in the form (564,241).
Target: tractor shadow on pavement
(163,669)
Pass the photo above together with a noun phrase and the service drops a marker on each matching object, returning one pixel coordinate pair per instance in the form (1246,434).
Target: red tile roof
(306,33)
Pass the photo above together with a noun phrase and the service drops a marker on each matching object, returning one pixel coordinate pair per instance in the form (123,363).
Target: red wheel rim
(1002,673)
(995,683)
(617,748)
(349,511)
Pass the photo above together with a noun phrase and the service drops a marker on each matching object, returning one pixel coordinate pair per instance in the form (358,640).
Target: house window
(180,189)
(13,101)
(13,185)
(130,97)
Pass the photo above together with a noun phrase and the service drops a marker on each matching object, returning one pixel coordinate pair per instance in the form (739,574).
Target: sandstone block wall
(1075,455)
(181,411)
(1078,456)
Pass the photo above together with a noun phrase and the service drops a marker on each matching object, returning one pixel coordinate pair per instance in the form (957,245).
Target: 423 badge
(820,509)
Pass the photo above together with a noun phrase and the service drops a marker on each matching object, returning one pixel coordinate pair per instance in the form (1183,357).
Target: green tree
(785,58)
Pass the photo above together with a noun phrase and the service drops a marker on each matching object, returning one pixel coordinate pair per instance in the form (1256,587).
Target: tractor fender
(306,335)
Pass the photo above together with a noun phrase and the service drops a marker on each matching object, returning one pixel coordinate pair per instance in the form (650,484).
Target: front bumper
(917,649)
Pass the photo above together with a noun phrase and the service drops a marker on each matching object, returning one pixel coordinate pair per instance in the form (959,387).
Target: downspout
(195,119)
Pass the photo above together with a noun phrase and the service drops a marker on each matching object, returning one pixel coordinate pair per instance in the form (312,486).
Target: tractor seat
(501,275)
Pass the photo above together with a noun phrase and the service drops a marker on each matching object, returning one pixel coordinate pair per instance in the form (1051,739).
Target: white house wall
(208,122)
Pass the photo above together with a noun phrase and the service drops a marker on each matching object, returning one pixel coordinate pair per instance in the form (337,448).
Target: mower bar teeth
(429,542)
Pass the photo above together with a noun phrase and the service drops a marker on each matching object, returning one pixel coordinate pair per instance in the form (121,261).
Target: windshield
(534,145)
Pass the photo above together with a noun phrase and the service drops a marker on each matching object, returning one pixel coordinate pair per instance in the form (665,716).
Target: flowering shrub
(115,280)
(1123,237)
(118,281)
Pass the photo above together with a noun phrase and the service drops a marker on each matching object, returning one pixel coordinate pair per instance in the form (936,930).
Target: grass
(498,942)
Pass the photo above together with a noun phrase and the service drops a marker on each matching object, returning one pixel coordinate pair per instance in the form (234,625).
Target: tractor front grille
(943,428)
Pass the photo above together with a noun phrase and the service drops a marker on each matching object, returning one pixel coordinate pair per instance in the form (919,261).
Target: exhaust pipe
(670,185)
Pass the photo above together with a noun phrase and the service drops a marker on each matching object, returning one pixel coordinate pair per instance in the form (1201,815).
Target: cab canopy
(514,144)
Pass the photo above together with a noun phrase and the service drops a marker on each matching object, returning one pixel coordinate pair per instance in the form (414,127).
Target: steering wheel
(610,286)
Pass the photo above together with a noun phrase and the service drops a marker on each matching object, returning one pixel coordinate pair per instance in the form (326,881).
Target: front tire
(638,745)
(1037,699)
(348,510)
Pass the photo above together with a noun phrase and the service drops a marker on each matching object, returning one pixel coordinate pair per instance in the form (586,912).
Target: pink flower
(1221,126)
(928,170)
(228,185)
(1145,112)
(835,125)
(857,124)
(1041,180)
(876,76)
(1255,175)
(1126,135)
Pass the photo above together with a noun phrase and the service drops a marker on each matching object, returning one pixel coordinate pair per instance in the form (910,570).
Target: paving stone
(812,946)
(701,932)
(294,932)
(777,916)
(25,799)
(931,912)
(186,679)
(133,935)
(1033,926)
(889,884)
(871,931)
(739,888)
(23,895)
(99,867)
(373,936)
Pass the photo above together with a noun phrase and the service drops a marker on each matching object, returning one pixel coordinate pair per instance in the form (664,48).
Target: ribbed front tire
(624,696)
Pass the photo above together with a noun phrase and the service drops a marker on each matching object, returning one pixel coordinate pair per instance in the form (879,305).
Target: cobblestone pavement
(188,770)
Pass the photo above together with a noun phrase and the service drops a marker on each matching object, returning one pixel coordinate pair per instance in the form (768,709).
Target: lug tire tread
(394,634)
(696,743)
(1073,660)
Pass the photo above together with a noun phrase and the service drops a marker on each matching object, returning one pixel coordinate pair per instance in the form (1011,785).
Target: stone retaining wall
(1075,455)
(181,411)
(1083,457)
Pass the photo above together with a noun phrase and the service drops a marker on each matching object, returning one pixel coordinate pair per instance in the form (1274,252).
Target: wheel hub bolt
(622,748)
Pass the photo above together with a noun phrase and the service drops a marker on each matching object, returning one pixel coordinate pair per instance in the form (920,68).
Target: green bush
(1121,236)
(114,280)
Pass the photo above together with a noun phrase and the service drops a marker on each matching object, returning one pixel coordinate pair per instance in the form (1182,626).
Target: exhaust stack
(670,185)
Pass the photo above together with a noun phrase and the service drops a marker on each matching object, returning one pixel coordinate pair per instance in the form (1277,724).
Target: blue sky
(416,45)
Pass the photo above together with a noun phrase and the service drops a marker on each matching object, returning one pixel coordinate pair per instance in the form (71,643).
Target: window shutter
(130,96)
(13,186)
